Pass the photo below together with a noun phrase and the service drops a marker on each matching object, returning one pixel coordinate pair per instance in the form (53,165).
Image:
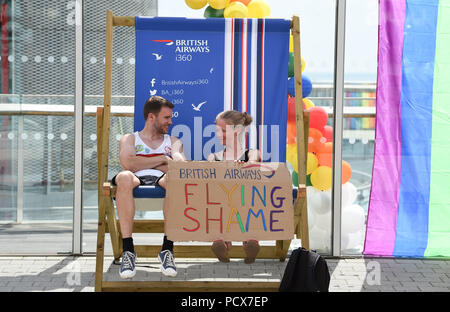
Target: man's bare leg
(126,181)
(165,256)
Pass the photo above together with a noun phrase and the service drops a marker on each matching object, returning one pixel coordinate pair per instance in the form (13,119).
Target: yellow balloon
(311,163)
(321,178)
(291,147)
(291,44)
(218,4)
(196,4)
(308,103)
(236,10)
(291,49)
(258,9)
(291,155)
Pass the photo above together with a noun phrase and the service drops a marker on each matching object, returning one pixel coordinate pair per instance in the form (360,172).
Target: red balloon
(291,109)
(318,117)
(327,132)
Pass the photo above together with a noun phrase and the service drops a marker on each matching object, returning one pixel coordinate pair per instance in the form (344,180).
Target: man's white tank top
(143,150)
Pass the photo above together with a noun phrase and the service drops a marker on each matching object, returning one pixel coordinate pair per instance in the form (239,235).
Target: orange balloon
(291,133)
(325,155)
(327,148)
(315,140)
(315,134)
(346,172)
(325,159)
(246,2)
(314,147)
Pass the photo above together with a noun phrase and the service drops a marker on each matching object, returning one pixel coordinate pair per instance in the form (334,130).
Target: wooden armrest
(108,189)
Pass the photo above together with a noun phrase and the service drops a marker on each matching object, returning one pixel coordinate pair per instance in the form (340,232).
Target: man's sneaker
(128,265)
(168,267)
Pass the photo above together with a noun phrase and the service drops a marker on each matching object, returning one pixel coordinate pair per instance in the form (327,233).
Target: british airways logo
(166,42)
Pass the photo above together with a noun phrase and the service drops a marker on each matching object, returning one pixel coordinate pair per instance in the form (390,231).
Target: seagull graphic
(211,70)
(157,56)
(197,108)
(153,92)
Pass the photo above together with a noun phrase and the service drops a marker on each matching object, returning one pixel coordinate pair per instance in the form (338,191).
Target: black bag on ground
(305,271)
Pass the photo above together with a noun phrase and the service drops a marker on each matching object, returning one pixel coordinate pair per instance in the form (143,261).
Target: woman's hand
(178,157)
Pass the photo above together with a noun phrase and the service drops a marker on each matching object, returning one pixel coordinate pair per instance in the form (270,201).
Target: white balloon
(345,239)
(353,219)
(317,239)
(326,200)
(355,241)
(311,219)
(323,221)
(312,216)
(348,194)
(310,190)
(321,202)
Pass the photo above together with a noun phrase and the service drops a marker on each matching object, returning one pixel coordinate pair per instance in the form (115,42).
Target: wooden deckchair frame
(107,221)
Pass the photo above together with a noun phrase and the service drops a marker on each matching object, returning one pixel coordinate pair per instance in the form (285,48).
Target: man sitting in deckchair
(144,157)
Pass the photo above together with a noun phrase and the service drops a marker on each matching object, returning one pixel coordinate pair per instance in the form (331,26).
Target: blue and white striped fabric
(205,66)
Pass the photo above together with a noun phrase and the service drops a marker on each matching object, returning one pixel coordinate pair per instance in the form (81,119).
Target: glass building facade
(46,46)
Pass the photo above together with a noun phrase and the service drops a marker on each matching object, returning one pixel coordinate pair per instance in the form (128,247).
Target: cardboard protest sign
(228,200)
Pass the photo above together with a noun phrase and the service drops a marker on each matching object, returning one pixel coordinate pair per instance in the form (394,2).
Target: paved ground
(74,274)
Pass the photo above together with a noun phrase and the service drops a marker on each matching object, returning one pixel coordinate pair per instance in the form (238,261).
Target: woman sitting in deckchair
(230,130)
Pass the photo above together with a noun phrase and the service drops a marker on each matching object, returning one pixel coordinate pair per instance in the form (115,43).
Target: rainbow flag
(409,208)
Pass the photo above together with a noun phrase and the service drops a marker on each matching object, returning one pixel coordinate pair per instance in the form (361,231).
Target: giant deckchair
(107,221)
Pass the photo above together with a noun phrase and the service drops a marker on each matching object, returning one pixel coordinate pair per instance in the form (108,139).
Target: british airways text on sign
(185,48)
(192,46)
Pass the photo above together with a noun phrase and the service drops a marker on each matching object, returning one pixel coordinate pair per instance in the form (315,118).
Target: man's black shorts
(144,180)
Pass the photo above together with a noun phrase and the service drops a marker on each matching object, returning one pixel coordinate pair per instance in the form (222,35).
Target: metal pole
(338,125)
(20,170)
(78,176)
(20,151)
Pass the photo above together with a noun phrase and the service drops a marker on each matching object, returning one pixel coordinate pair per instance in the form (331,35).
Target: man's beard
(161,130)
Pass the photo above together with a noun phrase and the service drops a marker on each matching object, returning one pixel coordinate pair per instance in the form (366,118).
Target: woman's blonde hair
(235,118)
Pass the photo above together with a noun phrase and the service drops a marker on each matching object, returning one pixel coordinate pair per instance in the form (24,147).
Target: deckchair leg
(113,229)
(100,248)
(301,221)
(303,224)
(282,248)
